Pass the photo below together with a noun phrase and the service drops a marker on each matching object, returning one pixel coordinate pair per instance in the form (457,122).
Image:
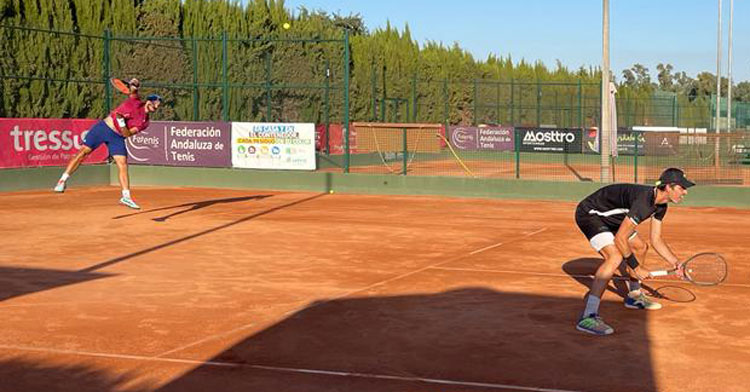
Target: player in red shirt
(131,117)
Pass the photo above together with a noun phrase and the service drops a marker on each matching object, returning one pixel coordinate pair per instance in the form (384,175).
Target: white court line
(212,337)
(308,306)
(410,273)
(289,370)
(559,275)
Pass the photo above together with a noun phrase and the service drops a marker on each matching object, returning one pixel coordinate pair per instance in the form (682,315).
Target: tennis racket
(122,86)
(703,269)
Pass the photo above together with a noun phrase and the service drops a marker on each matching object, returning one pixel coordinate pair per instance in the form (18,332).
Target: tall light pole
(729,69)
(718,90)
(606,121)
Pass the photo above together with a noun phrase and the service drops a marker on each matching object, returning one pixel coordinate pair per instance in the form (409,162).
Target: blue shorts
(101,133)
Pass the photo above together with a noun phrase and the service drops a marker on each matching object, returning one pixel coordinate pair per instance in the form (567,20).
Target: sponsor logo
(549,136)
(241,149)
(264,150)
(251,150)
(43,140)
(273,130)
(461,136)
(144,140)
(275,150)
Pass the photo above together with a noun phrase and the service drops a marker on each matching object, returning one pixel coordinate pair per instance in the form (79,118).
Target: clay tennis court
(556,171)
(254,290)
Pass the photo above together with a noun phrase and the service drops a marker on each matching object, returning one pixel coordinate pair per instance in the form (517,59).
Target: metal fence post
(267,86)
(346,102)
(475,117)
(196,114)
(413,98)
(538,104)
(580,105)
(635,158)
(512,102)
(105,72)
(328,107)
(446,114)
(518,152)
(224,78)
(373,91)
(497,104)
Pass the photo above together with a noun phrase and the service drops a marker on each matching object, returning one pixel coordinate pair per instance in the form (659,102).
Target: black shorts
(591,225)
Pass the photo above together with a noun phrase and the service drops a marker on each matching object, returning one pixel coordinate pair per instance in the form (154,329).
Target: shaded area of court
(268,291)
(457,340)
(16,282)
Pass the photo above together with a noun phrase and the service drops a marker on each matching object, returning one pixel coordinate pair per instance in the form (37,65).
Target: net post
(406,152)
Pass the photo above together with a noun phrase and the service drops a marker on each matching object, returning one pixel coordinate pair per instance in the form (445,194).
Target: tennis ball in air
(331,191)
(286,26)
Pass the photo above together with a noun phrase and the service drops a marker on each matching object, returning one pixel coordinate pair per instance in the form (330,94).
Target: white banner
(273,145)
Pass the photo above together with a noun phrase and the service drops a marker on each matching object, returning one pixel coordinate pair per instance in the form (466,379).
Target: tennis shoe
(60,187)
(641,302)
(594,325)
(130,203)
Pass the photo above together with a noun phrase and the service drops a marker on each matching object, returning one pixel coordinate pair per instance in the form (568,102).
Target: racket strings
(706,270)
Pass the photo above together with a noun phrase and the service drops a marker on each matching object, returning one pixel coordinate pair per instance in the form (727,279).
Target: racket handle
(660,273)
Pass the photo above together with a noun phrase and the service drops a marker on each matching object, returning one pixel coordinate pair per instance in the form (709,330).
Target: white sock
(126,193)
(64,177)
(592,305)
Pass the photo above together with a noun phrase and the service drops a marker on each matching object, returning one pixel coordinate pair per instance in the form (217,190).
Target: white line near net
(333,373)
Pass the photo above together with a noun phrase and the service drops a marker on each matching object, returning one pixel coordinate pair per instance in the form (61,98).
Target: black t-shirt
(613,203)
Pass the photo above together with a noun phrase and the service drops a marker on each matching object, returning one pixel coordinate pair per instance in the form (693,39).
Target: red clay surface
(252,290)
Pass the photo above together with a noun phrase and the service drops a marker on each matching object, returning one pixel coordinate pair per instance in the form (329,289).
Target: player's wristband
(632,261)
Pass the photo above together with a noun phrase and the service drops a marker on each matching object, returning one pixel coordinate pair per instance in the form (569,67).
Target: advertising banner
(180,143)
(662,143)
(27,142)
(482,138)
(335,139)
(554,140)
(626,141)
(273,145)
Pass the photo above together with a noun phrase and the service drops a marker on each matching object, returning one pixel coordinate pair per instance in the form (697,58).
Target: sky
(648,32)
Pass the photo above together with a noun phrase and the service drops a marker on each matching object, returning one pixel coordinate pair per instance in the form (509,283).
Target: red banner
(334,138)
(28,142)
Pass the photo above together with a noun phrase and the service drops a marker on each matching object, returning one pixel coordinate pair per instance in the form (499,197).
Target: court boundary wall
(41,178)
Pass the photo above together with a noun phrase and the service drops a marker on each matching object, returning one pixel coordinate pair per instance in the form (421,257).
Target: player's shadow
(194,206)
(468,339)
(17,281)
(583,270)
(192,236)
